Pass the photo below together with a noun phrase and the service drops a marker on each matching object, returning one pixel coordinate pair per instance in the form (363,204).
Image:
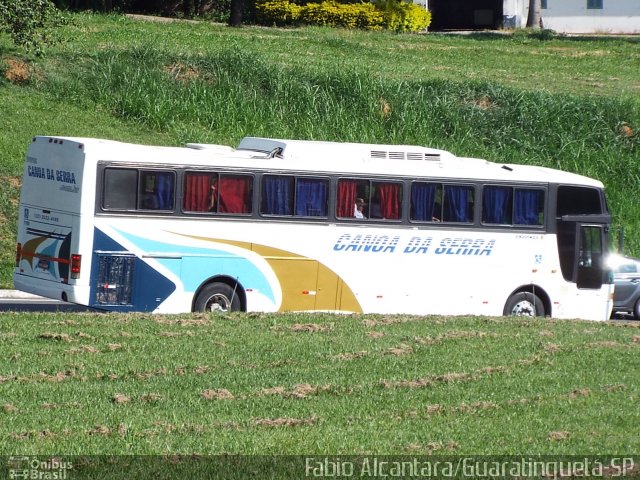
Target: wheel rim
(218,303)
(524,308)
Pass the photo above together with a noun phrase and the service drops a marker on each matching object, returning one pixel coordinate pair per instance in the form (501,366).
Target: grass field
(316,384)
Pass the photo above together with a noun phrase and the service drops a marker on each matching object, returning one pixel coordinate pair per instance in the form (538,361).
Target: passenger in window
(358,211)
(214,196)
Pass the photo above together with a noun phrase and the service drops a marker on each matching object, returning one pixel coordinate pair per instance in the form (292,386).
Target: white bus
(288,225)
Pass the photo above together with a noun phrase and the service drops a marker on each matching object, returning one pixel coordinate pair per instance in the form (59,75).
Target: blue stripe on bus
(150,287)
(199,264)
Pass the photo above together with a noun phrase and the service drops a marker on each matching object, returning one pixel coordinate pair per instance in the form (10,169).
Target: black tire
(636,310)
(524,304)
(217,297)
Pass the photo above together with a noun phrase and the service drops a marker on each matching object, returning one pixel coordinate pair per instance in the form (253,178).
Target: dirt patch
(9,408)
(100,430)
(432,447)
(60,337)
(453,335)
(14,182)
(120,399)
(183,73)
(606,344)
(400,350)
(302,390)
(310,327)
(217,394)
(385,108)
(151,398)
(350,356)
(580,392)
(17,72)
(285,421)
(559,436)
(428,381)
(187,333)
(82,349)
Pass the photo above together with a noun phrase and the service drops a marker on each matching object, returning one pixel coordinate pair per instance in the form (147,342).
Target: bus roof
(320,157)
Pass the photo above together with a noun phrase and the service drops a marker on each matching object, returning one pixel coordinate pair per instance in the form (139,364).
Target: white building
(563,16)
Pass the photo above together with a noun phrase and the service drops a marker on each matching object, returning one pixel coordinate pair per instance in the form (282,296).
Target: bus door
(582,247)
(590,262)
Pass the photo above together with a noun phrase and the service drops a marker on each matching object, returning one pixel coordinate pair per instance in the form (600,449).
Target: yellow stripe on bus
(306,283)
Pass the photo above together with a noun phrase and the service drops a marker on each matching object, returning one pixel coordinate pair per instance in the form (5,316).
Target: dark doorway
(465,14)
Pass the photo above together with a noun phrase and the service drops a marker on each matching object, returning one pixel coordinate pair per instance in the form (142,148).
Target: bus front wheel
(524,304)
(217,297)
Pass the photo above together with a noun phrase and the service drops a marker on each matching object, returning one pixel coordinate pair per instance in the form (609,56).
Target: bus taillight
(18,254)
(75,265)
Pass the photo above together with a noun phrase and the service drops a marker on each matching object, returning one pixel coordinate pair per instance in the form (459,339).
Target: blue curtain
(423,197)
(456,206)
(528,207)
(164,189)
(311,197)
(496,205)
(277,195)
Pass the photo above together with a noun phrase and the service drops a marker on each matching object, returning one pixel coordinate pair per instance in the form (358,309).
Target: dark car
(626,276)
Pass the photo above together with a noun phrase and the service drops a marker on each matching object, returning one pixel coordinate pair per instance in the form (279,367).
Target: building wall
(573,16)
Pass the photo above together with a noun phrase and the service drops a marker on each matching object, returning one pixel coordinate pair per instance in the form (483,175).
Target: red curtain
(197,192)
(389,200)
(346,199)
(235,194)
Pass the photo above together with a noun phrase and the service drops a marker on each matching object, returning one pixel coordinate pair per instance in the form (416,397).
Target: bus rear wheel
(217,297)
(524,304)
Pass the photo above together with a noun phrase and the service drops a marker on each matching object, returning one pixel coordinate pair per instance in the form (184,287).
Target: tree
(534,16)
(235,17)
(30,23)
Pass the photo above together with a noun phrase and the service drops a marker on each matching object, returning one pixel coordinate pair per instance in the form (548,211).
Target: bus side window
(426,202)
(311,197)
(349,191)
(458,204)
(200,193)
(156,190)
(277,195)
(528,206)
(386,202)
(119,189)
(234,194)
(497,205)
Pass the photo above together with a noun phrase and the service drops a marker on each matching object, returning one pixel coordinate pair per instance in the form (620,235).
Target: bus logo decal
(366,243)
(465,246)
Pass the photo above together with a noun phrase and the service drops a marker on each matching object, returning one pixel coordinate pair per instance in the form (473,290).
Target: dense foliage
(389,14)
(29,23)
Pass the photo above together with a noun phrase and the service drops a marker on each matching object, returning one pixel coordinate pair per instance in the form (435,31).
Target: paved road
(16,301)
